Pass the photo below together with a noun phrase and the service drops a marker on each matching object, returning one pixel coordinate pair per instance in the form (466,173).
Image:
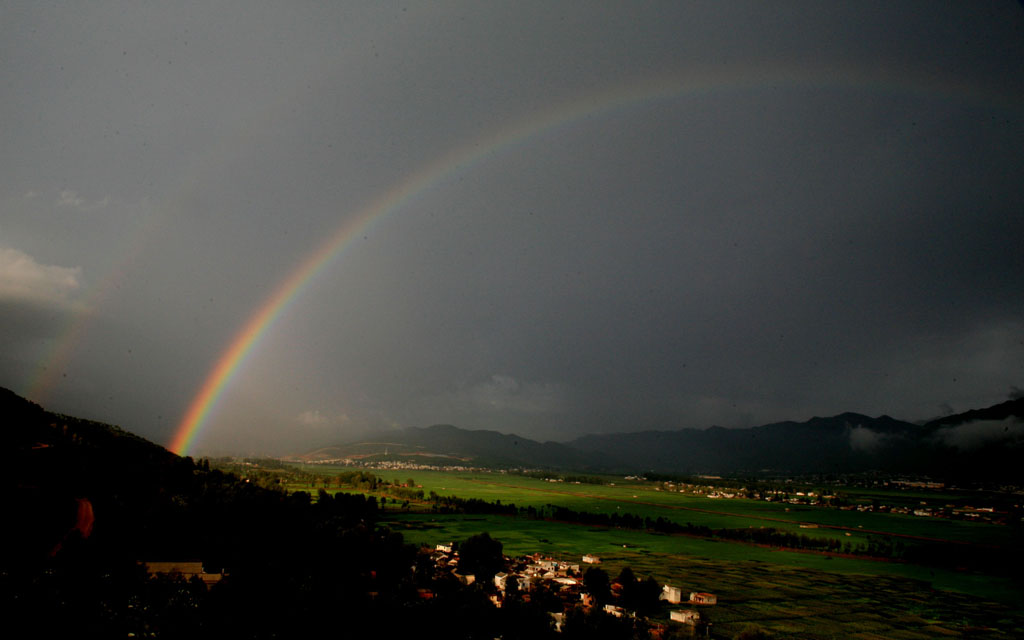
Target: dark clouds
(830,224)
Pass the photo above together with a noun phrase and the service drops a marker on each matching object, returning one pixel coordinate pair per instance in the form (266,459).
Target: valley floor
(789,594)
(784,591)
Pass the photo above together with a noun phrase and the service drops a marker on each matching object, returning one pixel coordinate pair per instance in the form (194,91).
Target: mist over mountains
(981,443)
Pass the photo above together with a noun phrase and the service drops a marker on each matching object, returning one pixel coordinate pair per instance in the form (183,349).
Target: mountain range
(986,443)
(981,443)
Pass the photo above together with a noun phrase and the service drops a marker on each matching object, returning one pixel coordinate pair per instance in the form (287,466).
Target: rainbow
(462,158)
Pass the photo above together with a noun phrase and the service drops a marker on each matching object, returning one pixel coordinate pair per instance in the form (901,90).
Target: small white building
(686,616)
(559,619)
(700,597)
(673,595)
(614,610)
(591,559)
(444,547)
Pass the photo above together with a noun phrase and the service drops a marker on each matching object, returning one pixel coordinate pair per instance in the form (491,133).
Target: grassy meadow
(789,593)
(641,498)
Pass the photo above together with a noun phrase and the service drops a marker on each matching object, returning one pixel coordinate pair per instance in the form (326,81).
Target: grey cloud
(503,392)
(837,232)
(865,440)
(23,278)
(982,433)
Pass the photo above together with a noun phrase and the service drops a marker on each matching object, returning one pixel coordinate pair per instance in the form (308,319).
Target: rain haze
(547,219)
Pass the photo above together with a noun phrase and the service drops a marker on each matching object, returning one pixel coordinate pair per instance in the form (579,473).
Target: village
(538,576)
(810,498)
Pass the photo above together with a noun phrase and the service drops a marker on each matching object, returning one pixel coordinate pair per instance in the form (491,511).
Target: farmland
(784,592)
(787,592)
(642,498)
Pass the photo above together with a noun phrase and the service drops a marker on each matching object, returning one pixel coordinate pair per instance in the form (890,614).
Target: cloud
(865,440)
(24,279)
(70,198)
(502,392)
(982,433)
(312,418)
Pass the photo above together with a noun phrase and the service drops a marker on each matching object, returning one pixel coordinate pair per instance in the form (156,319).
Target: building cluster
(526,574)
(186,570)
(950,511)
(387,465)
(818,499)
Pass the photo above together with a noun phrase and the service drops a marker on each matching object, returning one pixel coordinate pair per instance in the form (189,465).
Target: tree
(597,584)
(646,596)
(626,577)
(481,556)
(545,598)
(598,625)
(512,587)
(525,621)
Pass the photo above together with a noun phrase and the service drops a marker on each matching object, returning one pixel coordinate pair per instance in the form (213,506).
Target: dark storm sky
(710,213)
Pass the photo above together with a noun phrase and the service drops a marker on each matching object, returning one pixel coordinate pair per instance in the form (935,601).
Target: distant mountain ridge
(447,444)
(982,442)
(985,443)
(819,445)
(1009,409)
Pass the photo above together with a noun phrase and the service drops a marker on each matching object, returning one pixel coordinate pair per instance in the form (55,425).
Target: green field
(640,498)
(790,593)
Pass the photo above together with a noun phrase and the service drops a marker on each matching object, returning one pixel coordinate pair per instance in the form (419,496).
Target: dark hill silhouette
(90,502)
(450,445)
(819,445)
(845,443)
(1002,411)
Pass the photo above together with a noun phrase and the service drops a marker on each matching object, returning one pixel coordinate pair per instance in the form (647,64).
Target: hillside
(844,443)
(982,443)
(92,502)
(449,445)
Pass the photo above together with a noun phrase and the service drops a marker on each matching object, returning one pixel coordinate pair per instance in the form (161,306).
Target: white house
(686,616)
(614,610)
(672,594)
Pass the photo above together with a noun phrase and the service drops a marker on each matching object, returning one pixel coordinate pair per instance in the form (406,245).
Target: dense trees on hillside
(92,503)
